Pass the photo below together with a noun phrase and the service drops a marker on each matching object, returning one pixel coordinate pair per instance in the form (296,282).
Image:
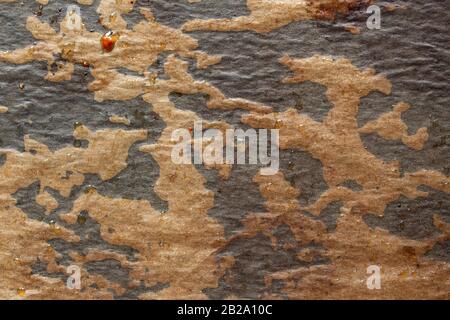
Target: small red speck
(108,41)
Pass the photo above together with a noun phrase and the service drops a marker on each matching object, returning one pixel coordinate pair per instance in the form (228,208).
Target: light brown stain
(391,127)
(178,246)
(85,2)
(119,120)
(268,15)
(352,29)
(136,49)
(47,201)
(283,208)
(110,12)
(23,242)
(336,141)
(337,144)
(61,170)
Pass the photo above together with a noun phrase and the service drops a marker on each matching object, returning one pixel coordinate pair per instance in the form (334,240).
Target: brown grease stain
(391,127)
(268,15)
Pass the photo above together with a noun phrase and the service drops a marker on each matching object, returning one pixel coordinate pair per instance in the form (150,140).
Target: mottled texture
(86,176)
